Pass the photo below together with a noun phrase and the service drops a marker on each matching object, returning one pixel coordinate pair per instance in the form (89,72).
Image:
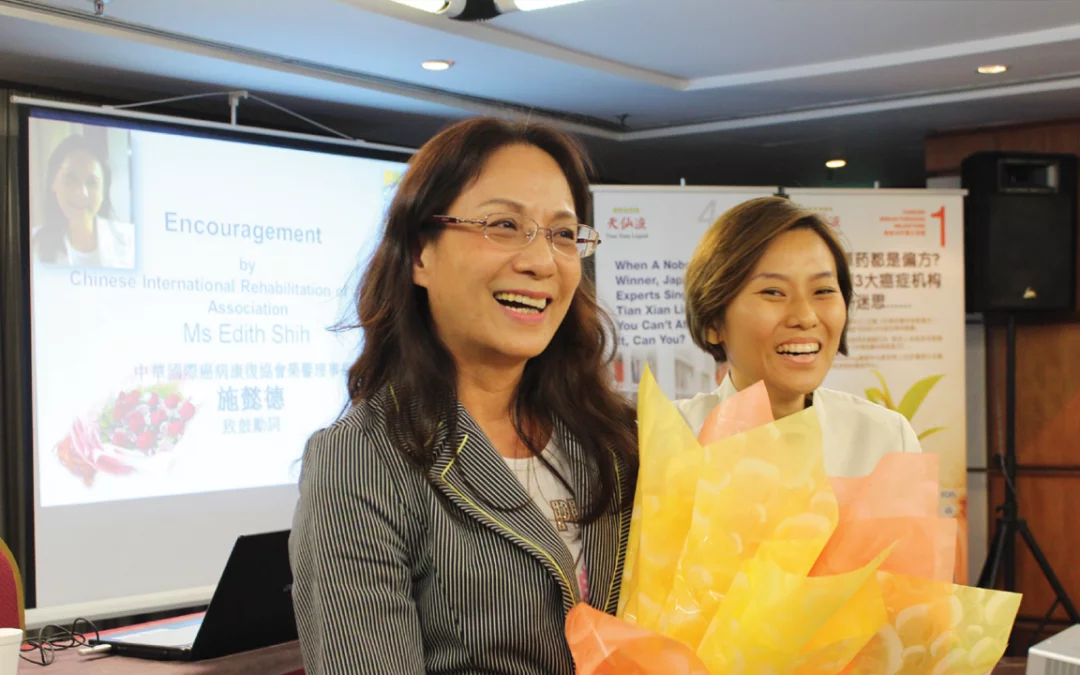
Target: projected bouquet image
(745,558)
(140,424)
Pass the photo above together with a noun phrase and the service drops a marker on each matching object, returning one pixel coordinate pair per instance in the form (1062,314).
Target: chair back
(12,601)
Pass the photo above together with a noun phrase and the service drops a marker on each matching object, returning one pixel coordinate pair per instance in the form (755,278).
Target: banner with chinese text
(906,327)
(647,236)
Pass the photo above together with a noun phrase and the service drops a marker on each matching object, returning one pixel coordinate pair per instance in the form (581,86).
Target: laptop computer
(251,608)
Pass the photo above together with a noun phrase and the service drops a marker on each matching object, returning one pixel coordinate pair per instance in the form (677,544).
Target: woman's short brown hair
(731,249)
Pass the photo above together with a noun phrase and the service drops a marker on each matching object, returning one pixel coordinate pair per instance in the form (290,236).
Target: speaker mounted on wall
(1020,231)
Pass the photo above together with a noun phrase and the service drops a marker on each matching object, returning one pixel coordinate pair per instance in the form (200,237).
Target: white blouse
(855,432)
(115,247)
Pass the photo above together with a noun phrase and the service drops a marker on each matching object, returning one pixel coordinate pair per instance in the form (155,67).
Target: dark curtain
(16,492)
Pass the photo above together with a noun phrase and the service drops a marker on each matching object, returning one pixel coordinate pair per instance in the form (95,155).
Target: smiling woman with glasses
(480,484)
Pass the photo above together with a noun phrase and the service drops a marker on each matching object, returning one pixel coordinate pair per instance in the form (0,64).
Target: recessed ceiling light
(836,164)
(437,65)
(433,6)
(995,69)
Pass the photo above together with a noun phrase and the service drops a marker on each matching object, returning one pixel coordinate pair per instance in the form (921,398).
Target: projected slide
(182,288)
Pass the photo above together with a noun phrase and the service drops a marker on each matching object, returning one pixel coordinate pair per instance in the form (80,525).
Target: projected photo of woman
(76,223)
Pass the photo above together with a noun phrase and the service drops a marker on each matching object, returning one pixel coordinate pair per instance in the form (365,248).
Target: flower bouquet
(127,433)
(745,558)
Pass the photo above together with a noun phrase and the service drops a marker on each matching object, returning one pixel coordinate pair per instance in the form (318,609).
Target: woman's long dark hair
(569,382)
(49,239)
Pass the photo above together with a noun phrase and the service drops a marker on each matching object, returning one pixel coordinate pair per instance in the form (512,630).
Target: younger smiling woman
(768,290)
(480,485)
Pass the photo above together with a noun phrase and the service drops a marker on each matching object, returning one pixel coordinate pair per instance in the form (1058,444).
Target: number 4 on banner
(940,214)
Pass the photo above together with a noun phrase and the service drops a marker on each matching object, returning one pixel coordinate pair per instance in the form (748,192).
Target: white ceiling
(711,90)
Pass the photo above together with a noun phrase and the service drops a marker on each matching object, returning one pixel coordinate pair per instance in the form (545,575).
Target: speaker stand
(1001,556)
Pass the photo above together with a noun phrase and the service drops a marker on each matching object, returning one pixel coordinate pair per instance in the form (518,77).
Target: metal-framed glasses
(514,231)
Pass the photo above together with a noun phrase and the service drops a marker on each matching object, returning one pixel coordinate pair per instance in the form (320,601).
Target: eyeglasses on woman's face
(513,231)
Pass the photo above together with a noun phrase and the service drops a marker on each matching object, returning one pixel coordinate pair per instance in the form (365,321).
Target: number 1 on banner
(940,215)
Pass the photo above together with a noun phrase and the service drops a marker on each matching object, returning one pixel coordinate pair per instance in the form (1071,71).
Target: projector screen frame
(18,318)
(220,130)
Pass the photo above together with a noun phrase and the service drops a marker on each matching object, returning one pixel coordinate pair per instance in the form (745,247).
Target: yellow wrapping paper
(937,628)
(776,621)
(718,574)
(671,461)
(765,484)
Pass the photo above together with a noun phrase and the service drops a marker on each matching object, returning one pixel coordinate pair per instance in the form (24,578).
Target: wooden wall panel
(945,152)
(1047,394)
(1047,400)
(1051,505)
(1026,633)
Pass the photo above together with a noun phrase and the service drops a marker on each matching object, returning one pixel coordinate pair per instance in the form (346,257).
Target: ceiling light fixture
(437,65)
(433,6)
(836,163)
(480,10)
(995,69)
(530,5)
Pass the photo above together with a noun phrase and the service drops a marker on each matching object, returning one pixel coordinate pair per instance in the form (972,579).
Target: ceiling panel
(598,67)
(700,38)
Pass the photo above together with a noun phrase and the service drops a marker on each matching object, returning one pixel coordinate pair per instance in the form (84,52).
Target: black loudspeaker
(1020,231)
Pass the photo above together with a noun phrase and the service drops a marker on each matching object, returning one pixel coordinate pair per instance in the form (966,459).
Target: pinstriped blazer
(455,572)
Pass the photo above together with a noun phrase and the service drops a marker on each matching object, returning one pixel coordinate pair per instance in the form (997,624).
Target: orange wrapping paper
(897,503)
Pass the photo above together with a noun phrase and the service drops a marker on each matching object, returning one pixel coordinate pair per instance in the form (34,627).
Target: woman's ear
(714,336)
(422,263)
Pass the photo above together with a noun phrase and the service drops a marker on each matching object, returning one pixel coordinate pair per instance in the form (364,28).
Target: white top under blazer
(855,432)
